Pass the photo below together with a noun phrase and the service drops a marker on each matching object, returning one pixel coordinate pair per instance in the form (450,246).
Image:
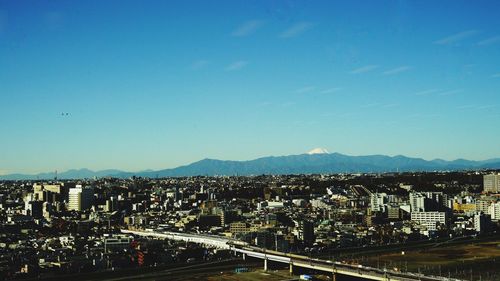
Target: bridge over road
(294,261)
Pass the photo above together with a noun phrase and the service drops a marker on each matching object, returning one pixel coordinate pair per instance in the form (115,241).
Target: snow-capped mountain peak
(318,150)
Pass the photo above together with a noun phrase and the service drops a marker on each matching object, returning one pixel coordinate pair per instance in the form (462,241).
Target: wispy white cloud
(426,92)
(466,106)
(363,69)
(312,122)
(450,92)
(370,105)
(379,105)
(199,64)
(265,103)
(288,103)
(237,65)
(487,106)
(348,114)
(439,92)
(296,29)
(496,75)
(391,123)
(489,41)
(455,38)
(390,105)
(304,90)
(397,70)
(328,114)
(339,115)
(330,90)
(424,115)
(476,107)
(247,28)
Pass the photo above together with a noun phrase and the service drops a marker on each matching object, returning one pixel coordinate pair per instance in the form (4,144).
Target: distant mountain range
(314,162)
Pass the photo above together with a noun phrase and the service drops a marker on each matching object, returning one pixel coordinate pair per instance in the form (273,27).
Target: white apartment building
(491,183)
(430,219)
(417,202)
(80,198)
(494,211)
(378,201)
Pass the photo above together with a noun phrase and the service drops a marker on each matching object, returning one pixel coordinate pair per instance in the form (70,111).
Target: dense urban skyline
(163,84)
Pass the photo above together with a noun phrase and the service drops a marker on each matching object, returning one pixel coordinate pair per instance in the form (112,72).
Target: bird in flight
(64,114)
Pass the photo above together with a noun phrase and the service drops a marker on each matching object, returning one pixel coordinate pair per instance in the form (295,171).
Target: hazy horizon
(152,85)
(183,164)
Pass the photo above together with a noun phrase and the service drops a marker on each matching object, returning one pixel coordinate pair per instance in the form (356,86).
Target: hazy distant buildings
(80,198)
(491,183)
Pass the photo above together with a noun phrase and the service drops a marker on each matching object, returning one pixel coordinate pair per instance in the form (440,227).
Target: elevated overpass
(294,261)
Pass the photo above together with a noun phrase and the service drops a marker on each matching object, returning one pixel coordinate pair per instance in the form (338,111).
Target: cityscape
(249,140)
(429,223)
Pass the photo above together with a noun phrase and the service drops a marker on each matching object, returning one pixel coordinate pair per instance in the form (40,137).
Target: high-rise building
(483,204)
(111,204)
(494,211)
(417,202)
(481,222)
(437,199)
(34,209)
(491,183)
(80,198)
(265,239)
(378,201)
(306,232)
(47,210)
(60,189)
(427,201)
(393,212)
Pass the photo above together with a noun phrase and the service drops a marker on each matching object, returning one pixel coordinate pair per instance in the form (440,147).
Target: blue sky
(157,84)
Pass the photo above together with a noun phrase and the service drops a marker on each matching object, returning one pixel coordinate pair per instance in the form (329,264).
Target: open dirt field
(477,260)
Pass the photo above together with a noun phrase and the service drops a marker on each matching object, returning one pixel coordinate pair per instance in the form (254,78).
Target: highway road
(359,271)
